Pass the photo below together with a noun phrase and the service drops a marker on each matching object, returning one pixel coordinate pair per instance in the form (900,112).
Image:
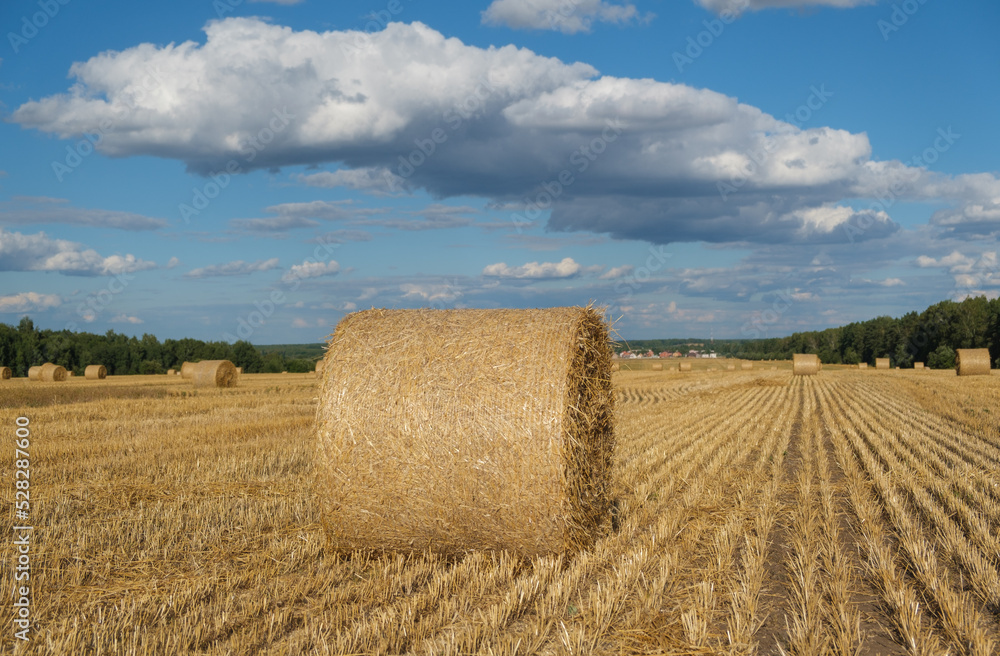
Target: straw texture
(685,366)
(95,372)
(5,373)
(187,370)
(805,364)
(459,430)
(882,363)
(972,362)
(52,373)
(214,373)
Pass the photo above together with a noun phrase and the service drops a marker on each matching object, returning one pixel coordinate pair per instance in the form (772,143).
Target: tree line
(26,346)
(931,337)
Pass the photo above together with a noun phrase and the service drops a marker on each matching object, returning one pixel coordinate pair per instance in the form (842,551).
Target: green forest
(930,337)
(25,346)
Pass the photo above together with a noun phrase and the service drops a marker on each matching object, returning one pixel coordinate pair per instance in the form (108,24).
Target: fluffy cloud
(566,268)
(634,158)
(237,268)
(568,17)
(124,318)
(39,252)
(29,302)
(311,270)
(617,272)
(739,6)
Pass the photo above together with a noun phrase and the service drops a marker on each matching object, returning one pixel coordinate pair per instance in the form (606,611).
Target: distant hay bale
(616,367)
(284,372)
(658,366)
(882,363)
(5,373)
(187,370)
(972,362)
(805,364)
(69,373)
(95,372)
(171,372)
(685,366)
(863,365)
(214,373)
(239,370)
(35,373)
(730,367)
(746,366)
(52,373)
(774,368)
(918,365)
(459,430)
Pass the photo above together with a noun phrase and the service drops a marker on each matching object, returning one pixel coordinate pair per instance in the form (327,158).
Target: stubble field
(854,512)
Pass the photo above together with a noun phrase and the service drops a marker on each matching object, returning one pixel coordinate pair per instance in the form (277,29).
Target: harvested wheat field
(756,512)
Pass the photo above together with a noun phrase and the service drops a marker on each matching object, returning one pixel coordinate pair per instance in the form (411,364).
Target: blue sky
(739,168)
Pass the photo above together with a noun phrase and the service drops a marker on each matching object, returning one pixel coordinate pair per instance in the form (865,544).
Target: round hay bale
(685,366)
(658,366)
(918,365)
(774,368)
(882,363)
(187,370)
(805,364)
(52,373)
(746,366)
(239,370)
(214,373)
(459,430)
(95,372)
(972,362)
(863,365)
(730,367)
(5,373)
(35,373)
(171,372)
(616,367)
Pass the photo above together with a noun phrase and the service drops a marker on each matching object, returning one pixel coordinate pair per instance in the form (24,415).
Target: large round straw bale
(52,373)
(658,366)
(35,373)
(685,366)
(187,370)
(95,372)
(882,363)
(171,372)
(863,365)
(5,373)
(805,364)
(918,365)
(457,430)
(214,373)
(745,366)
(972,362)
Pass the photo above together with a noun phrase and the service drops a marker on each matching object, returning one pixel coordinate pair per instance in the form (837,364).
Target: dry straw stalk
(95,372)
(459,430)
(187,370)
(5,373)
(805,364)
(215,373)
(972,362)
(52,373)
(882,363)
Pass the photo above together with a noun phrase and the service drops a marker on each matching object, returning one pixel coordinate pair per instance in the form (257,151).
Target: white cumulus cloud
(39,252)
(566,16)
(236,268)
(311,270)
(29,302)
(566,268)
